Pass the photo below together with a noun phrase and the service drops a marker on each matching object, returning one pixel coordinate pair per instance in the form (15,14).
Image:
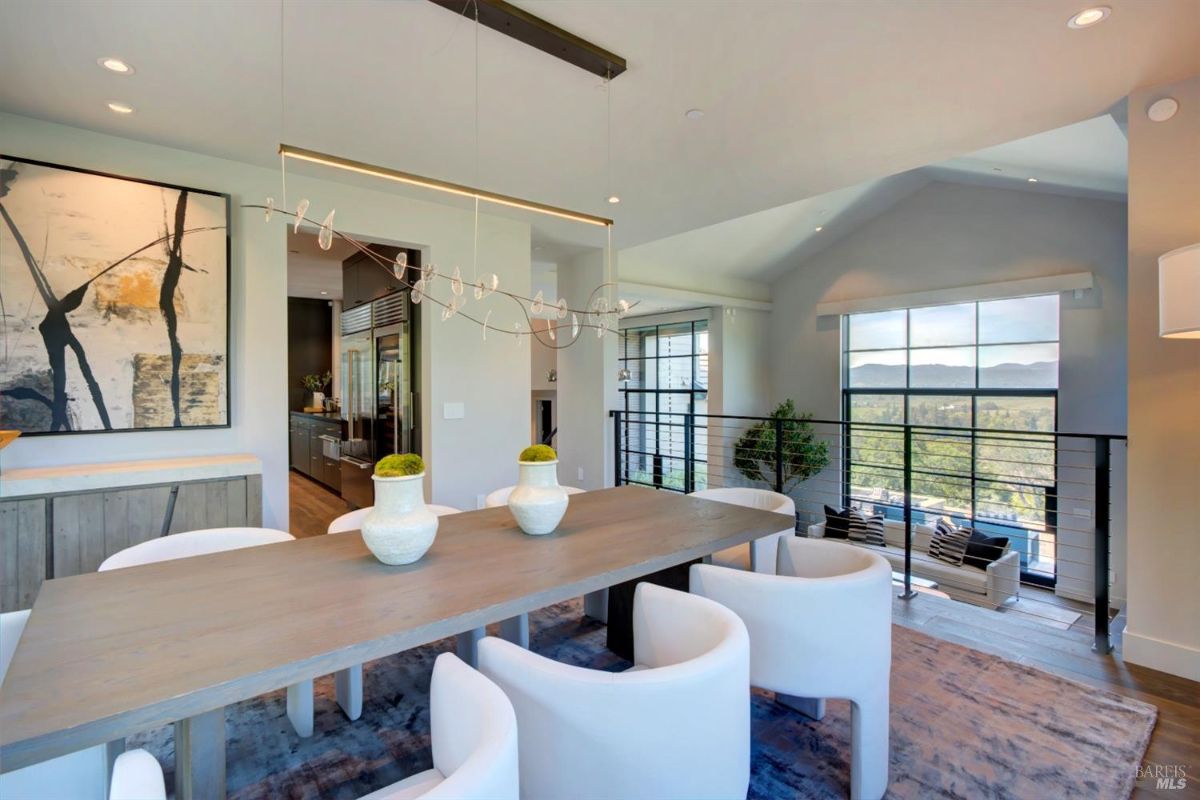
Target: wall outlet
(581,473)
(454,410)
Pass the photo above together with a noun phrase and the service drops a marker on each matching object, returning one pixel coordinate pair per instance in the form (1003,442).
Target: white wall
(1163,630)
(950,235)
(465,456)
(587,384)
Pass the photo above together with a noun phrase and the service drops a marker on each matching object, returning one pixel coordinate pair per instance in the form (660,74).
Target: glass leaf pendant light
(325,235)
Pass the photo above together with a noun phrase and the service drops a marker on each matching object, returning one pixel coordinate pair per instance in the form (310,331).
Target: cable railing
(1036,504)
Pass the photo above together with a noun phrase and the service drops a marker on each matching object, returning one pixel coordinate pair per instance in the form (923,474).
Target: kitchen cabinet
(364,280)
(309,454)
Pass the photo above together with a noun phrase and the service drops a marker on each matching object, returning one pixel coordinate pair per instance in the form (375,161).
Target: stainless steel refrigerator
(377,391)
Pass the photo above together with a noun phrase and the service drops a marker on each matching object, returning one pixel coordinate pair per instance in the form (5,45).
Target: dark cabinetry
(364,279)
(314,445)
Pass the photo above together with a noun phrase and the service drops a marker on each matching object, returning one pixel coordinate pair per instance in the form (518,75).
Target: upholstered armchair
(820,628)
(759,555)
(676,725)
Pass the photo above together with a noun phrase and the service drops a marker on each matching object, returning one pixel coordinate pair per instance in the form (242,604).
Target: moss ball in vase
(537,502)
(399,528)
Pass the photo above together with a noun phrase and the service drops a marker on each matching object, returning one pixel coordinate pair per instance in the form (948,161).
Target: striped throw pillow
(949,542)
(868,530)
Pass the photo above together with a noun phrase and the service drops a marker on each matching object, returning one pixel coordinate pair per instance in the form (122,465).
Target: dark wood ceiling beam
(538,33)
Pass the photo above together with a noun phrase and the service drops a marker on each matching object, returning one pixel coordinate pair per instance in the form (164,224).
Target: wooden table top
(105,655)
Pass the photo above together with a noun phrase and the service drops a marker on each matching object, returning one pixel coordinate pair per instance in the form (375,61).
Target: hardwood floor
(1011,634)
(312,506)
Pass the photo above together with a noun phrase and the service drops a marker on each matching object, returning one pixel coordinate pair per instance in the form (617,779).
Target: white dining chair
(675,725)
(516,629)
(499,497)
(473,731)
(820,628)
(759,555)
(352,520)
(82,775)
(348,683)
(218,540)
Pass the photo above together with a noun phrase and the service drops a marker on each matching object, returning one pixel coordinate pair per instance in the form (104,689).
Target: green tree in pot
(804,455)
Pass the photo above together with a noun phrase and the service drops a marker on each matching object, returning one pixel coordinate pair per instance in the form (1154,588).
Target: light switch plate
(581,473)
(454,410)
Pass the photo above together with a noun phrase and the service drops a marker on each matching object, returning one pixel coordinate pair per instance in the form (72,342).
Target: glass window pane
(1023,319)
(948,411)
(1015,413)
(938,367)
(1020,366)
(938,326)
(887,408)
(877,330)
(675,340)
(879,369)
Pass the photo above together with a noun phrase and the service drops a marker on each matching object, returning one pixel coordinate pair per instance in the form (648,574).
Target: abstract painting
(114,298)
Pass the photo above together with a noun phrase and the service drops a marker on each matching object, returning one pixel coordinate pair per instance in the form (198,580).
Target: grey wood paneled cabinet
(57,535)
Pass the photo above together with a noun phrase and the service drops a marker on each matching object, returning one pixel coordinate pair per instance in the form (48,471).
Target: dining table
(107,655)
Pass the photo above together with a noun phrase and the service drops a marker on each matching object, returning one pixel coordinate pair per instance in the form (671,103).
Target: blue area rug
(964,724)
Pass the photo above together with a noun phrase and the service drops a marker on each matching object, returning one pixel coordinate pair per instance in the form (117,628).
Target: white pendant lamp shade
(1179,293)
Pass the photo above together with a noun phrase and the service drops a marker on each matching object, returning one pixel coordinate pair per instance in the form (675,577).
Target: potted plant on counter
(538,502)
(316,386)
(399,529)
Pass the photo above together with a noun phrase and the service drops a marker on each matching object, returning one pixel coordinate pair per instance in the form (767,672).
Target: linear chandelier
(362,168)
(600,313)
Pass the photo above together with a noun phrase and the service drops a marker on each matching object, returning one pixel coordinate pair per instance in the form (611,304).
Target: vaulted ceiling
(800,98)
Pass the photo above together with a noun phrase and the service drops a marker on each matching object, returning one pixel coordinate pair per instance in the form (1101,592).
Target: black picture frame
(227,198)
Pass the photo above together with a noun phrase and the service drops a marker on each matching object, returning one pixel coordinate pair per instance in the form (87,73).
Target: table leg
(111,751)
(811,707)
(200,757)
(516,630)
(595,605)
(467,645)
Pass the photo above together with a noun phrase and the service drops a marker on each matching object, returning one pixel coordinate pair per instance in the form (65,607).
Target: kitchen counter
(332,416)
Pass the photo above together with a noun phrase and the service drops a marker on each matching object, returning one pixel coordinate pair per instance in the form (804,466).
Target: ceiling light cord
(282,113)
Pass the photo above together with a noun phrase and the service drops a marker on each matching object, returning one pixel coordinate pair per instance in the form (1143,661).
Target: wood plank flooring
(1009,634)
(312,506)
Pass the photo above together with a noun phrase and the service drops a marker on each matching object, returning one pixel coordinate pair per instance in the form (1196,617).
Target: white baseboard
(1173,657)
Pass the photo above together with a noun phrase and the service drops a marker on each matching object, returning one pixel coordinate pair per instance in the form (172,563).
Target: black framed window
(988,364)
(663,446)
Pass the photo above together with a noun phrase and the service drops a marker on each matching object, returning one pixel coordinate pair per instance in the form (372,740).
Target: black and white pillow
(868,530)
(949,542)
(837,523)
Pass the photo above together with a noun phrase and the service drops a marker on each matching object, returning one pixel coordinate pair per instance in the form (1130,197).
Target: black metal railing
(1046,494)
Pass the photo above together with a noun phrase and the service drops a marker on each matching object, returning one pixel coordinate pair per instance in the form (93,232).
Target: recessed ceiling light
(612,198)
(1162,109)
(1089,17)
(819,228)
(115,65)
(694,113)
(120,108)
(1032,180)
(324,292)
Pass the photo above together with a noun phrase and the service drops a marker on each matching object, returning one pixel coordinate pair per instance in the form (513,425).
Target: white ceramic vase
(538,502)
(318,400)
(399,529)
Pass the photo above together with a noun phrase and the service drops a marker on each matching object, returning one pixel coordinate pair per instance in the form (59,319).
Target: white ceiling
(801,98)
(313,272)
(1089,158)
(739,257)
